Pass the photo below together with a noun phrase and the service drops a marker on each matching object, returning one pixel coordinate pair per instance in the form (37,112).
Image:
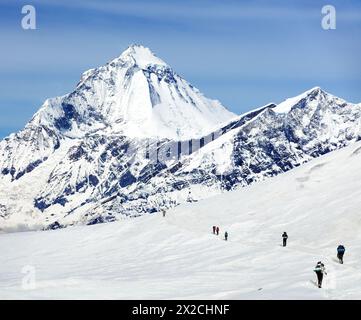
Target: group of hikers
(216,231)
(320,269)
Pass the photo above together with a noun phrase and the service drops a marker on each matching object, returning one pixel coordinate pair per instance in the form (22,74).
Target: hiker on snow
(214,229)
(320,271)
(226,236)
(340,252)
(217,230)
(284,237)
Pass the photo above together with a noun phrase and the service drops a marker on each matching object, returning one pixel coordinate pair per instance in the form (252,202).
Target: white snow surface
(177,257)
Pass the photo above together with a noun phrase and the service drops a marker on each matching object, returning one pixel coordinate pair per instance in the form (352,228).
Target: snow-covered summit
(141,56)
(137,95)
(134,55)
(315,93)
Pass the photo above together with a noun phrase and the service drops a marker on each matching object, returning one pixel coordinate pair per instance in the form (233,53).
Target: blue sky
(243,53)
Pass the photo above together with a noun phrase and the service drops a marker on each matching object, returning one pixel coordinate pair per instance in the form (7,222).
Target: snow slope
(178,257)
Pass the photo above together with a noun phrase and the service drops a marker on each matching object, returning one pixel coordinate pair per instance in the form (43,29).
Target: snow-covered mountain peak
(313,94)
(135,56)
(136,95)
(316,89)
(140,56)
(139,95)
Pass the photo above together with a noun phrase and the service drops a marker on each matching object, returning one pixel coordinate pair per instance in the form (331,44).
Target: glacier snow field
(178,257)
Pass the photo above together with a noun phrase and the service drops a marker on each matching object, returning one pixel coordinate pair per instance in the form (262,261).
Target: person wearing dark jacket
(214,229)
(320,271)
(217,230)
(226,236)
(340,252)
(284,237)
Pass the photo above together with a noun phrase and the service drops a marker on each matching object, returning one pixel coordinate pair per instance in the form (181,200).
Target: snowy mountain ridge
(134,138)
